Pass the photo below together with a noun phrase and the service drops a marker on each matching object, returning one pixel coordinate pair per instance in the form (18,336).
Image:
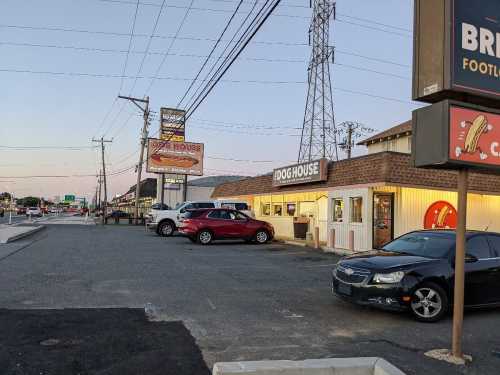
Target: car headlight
(388,278)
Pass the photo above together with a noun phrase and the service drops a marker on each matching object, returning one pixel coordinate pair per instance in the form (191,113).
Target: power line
(244,40)
(211,53)
(148,45)
(181,25)
(263,82)
(129,44)
(61,148)
(277,60)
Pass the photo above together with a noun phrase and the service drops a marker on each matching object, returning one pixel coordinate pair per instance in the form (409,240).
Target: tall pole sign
(457,69)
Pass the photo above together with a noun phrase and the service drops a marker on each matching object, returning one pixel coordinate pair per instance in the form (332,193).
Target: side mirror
(470,258)
(182,210)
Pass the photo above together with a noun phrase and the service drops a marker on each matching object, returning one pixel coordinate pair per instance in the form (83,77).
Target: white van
(166,222)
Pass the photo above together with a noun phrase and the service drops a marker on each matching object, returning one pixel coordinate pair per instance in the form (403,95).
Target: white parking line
(211,304)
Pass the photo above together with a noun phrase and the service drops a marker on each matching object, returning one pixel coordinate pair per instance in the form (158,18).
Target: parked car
(415,272)
(166,222)
(206,225)
(118,214)
(33,211)
(21,210)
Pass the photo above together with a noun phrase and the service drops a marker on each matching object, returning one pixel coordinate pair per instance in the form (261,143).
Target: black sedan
(416,272)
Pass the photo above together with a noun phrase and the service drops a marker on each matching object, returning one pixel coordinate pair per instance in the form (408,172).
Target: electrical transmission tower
(319,138)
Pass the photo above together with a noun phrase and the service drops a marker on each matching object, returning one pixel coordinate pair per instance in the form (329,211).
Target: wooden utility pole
(105,205)
(458,300)
(349,140)
(99,202)
(144,137)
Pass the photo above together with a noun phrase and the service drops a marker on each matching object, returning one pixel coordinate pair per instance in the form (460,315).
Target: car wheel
(205,237)
(166,229)
(429,303)
(261,237)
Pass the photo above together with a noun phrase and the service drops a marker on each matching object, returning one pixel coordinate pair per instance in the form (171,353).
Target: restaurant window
(291,208)
(356,210)
(338,210)
(266,209)
(277,210)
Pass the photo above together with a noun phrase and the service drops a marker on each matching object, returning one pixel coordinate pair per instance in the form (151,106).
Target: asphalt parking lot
(238,301)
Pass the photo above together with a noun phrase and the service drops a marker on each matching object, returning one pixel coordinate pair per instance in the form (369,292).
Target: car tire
(261,236)
(166,229)
(205,237)
(429,302)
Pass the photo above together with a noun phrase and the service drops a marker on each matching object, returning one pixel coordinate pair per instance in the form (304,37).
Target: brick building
(371,199)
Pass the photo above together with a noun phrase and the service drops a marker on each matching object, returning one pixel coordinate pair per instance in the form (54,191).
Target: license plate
(344,289)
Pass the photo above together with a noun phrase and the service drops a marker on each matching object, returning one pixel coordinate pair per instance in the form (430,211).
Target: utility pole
(351,131)
(105,206)
(144,137)
(99,201)
(349,140)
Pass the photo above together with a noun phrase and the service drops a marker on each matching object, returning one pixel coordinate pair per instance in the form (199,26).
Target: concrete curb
(29,231)
(344,366)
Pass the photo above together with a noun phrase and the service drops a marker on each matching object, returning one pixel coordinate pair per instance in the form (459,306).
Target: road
(239,301)
(15,218)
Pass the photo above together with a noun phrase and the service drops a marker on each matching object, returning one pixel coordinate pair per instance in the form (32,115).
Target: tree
(29,201)
(5,196)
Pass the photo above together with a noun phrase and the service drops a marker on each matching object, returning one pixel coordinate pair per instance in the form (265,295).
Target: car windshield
(426,244)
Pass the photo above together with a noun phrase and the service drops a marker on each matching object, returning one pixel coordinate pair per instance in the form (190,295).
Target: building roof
(148,188)
(383,167)
(213,181)
(402,129)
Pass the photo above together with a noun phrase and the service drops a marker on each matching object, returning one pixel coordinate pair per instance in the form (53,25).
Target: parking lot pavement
(239,301)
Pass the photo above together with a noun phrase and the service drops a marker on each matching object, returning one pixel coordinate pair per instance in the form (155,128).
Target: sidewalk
(9,233)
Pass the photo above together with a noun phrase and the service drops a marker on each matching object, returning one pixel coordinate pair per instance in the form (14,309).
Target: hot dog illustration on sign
(471,133)
(440,215)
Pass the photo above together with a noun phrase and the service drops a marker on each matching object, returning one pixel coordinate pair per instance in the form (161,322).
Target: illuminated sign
(457,50)
(313,171)
(470,136)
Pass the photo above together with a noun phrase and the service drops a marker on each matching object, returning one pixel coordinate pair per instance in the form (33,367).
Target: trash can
(300,226)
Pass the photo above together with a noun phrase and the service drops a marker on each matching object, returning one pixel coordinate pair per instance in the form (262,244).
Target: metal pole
(184,189)
(141,160)
(162,187)
(458,305)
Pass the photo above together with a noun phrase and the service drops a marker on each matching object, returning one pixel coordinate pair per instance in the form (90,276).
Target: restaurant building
(366,201)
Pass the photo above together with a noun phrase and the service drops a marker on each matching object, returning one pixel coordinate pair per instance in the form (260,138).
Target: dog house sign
(470,138)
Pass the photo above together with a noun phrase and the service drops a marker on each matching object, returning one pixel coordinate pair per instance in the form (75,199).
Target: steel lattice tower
(319,136)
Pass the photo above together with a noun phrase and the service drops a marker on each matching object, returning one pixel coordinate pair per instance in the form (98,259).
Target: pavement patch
(95,341)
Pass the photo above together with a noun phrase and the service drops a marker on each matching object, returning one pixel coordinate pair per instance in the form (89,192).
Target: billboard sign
(457,50)
(173,179)
(175,157)
(470,136)
(172,124)
(313,171)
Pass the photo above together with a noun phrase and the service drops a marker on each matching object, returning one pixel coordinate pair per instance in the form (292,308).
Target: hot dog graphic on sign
(440,215)
(474,136)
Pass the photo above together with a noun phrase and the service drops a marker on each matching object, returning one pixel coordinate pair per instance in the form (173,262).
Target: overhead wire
(238,47)
(211,52)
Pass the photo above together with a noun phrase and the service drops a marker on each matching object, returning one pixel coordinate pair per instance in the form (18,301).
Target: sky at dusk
(254,115)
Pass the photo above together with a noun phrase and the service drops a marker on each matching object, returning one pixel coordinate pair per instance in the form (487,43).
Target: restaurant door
(383,219)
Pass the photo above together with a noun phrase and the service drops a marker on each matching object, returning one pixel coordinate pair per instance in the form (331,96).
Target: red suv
(206,225)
